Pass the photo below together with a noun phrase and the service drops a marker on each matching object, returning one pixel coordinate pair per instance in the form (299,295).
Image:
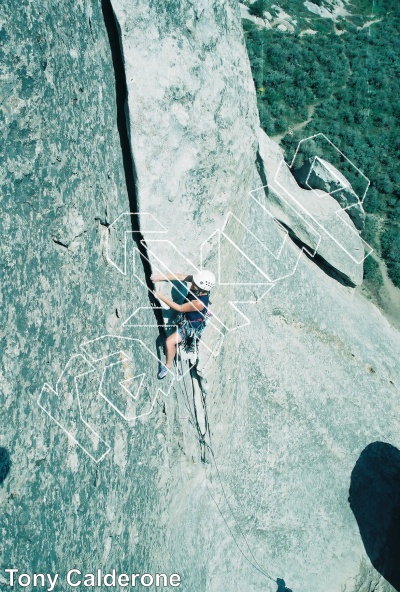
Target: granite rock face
(193,118)
(62,182)
(292,398)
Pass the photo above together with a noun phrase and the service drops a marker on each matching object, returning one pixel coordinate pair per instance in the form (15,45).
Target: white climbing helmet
(205,280)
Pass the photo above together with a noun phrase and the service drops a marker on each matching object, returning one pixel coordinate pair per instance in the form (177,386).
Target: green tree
(258,7)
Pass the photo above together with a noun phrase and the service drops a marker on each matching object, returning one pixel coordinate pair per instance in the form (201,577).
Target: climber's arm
(183,277)
(186,307)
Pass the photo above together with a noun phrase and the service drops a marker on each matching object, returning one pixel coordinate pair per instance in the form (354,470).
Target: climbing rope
(236,542)
(195,422)
(187,398)
(203,442)
(257,566)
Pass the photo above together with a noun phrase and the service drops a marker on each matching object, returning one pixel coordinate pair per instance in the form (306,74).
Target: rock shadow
(5,463)
(374,498)
(282,586)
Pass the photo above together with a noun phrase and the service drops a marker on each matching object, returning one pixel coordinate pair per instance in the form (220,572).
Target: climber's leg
(170,345)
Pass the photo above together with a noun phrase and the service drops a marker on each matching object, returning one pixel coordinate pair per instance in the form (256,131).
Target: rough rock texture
(319,174)
(318,378)
(193,118)
(293,398)
(61,171)
(246,14)
(314,219)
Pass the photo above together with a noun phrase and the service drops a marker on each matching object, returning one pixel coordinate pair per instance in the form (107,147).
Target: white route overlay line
(123,338)
(221,283)
(157,228)
(331,236)
(121,383)
(306,248)
(165,325)
(332,172)
(276,257)
(69,434)
(320,134)
(127,380)
(145,216)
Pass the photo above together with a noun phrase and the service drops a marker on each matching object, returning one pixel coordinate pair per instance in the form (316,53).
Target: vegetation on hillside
(345,76)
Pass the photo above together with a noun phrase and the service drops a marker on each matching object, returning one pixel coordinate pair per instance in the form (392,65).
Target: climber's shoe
(163,372)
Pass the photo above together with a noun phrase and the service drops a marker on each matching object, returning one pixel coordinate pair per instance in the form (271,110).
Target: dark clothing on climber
(197,317)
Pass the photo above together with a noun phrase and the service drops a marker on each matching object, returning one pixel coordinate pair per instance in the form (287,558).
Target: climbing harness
(191,333)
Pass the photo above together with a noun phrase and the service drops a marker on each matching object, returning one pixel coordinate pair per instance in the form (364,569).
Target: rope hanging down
(202,441)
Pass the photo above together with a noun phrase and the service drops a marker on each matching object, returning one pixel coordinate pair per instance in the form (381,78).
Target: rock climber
(193,310)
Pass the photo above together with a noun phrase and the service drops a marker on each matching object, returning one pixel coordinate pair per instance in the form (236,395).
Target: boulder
(317,173)
(313,218)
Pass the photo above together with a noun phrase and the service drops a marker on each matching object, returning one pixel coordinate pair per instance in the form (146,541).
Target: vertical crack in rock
(123,124)
(200,415)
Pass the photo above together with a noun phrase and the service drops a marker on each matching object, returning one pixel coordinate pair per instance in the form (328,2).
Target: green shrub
(352,80)
(258,7)
(390,241)
(371,233)
(372,273)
